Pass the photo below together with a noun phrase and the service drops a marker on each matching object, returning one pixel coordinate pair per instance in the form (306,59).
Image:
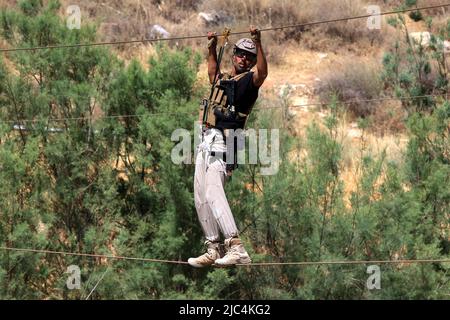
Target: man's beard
(240,69)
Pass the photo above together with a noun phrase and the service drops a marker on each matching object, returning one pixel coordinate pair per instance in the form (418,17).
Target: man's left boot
(236,253)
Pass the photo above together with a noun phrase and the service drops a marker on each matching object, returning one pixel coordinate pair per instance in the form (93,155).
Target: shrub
(352,80)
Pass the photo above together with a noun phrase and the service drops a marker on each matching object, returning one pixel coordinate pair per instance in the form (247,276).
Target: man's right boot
(208,258)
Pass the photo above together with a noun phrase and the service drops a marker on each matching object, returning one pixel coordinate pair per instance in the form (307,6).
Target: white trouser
(211,202)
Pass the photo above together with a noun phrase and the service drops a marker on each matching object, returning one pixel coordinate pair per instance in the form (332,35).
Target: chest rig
(221,113)
(220,105)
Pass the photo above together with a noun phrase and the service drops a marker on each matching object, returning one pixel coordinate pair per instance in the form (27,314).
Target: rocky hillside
(306,63)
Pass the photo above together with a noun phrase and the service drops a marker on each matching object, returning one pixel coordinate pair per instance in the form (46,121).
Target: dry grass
(388,5)
(443,11)
(273,13)
(7,3)
(352,79)
(239,15)
(176,11)
(359,78)
(356,142)
(388,119)
(132,19)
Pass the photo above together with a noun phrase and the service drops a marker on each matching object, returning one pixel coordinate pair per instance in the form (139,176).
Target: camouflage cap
(246,44)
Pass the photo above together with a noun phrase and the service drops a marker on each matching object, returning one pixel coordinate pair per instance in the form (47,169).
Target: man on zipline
(232,98)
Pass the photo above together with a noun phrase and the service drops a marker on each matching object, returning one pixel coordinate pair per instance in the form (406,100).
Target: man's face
(243,60)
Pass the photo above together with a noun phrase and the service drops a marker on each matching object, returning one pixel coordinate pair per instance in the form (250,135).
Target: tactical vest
(221,105)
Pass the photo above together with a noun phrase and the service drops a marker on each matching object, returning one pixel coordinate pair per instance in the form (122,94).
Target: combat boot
(235,253)
(208,258)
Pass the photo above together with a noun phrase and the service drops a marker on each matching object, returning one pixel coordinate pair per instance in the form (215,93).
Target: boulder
(214,18)
(424,39)
(157,32)
(420,38)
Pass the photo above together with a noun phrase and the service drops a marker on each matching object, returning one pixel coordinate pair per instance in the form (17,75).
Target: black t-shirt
(244,99)
(246,94)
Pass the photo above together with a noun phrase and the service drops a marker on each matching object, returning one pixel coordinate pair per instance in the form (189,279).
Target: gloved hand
(212,39)
(255,33)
